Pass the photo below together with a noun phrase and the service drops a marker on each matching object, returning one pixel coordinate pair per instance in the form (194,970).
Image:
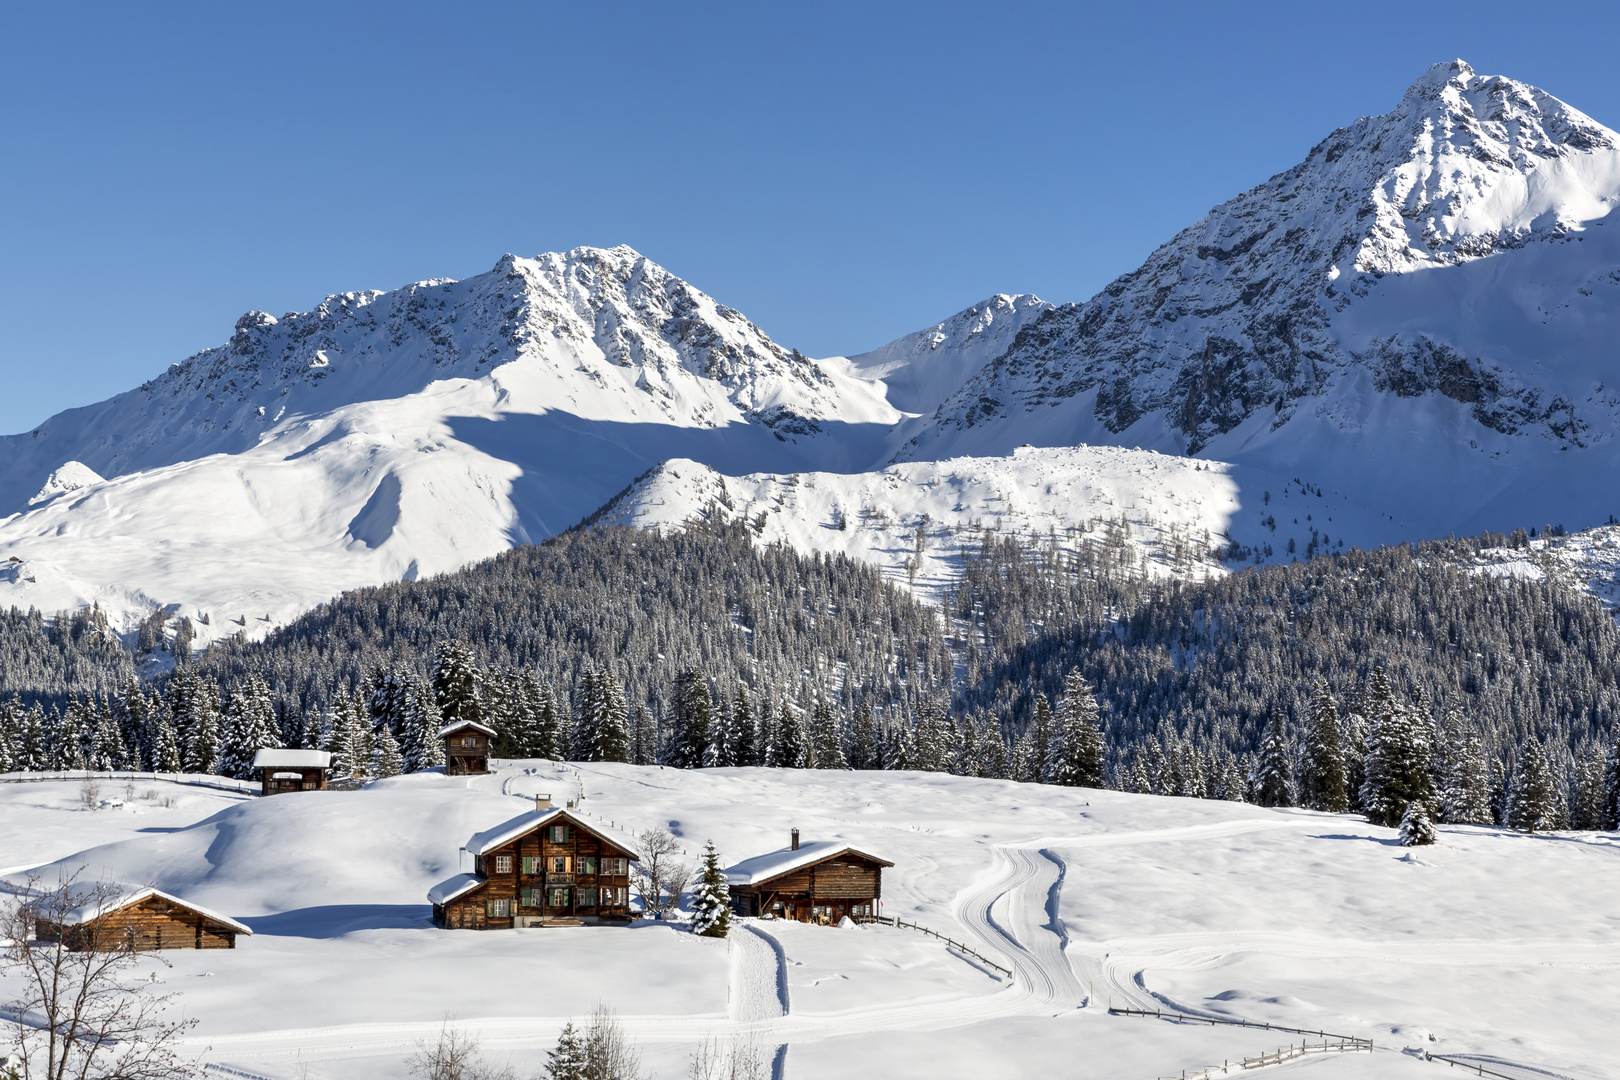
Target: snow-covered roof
(776,863)
(292,759)
(459,724)
(450,888)
(523,824)
(95,900)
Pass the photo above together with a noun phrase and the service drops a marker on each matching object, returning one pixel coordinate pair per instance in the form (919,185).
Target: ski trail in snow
(759,991)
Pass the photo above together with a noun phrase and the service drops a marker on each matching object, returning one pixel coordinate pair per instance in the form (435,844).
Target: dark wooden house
(547,867)
(821,882)
(292,770)
(466,748)
(139,919)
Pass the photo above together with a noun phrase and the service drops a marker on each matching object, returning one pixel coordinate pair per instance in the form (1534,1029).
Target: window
(559,834)
(587,898)
(528,864)
(503,864)
(616,867)
(861,911)
(587,864)
(500,909)
(469,740)
(558,897)
(309,785)
(559,864)
(614,897)
(529,897)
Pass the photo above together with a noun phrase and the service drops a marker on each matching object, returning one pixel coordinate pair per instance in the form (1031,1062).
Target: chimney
(542,802)
(795,840)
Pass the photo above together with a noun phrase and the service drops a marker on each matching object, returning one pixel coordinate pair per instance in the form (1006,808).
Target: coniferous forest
(1398,682)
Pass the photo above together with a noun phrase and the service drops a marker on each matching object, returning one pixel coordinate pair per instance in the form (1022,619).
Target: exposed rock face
(1237,314)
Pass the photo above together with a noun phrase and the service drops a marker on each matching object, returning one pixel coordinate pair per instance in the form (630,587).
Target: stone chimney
(542,802)
(795,840)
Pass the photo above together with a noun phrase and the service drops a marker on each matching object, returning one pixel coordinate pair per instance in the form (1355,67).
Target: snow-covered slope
(1488,945)
(1422,313)
(1168,512)
(389,435)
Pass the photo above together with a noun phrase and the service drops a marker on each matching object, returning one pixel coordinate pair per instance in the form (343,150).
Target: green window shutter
(528,865)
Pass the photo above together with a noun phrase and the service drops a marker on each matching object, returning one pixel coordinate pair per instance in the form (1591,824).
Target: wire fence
(952,942)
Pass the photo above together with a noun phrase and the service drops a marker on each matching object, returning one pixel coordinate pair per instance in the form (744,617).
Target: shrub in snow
(711,900)
(1416,828)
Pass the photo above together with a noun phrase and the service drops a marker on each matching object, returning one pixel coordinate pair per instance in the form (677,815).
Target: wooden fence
(208,780)
(1471,1066)
(957,945)
(1328,1043)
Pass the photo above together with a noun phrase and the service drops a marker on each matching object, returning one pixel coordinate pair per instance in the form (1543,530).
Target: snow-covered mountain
(1417,322)
(1423,313)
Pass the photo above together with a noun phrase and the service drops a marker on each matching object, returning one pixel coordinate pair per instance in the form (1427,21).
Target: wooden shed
(467,745)
(546,867)
(292,770)
(822,882)
(139,919)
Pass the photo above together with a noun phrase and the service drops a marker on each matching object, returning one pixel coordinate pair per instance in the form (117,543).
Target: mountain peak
(1432,84)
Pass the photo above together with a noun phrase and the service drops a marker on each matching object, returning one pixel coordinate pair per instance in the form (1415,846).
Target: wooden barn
(140,920)
(820,882)
(292,770)
(546,867)
(466,748)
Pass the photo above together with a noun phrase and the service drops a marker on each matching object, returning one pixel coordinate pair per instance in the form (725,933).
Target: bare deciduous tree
(76,1014)
(609,1053)
(454,1055)
(662,872)
(741,1060)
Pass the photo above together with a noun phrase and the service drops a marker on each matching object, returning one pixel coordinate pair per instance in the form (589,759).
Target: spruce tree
(165,746)
(1532,798)
(568,1060)
(456,681)
(613,733)
(551,727)
(1587,812)
(689,745)
(1272,783)
(31,754)
(789,747)
(198,724)
(711,900)
(1465,786)
(386,759)
(1075,755)
(589,712)
(247,726)
(1416,828)
(745,735)
(10,729)
(1611,784)
(1397,763)
(863,743)
(336,740)
(827,737)
(643,737)
(1322,785)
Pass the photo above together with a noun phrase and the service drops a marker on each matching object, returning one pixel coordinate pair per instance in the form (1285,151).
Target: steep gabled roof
(525,823)
(92,901)
(459,724)
(762,868)
(451,888)
(292,759)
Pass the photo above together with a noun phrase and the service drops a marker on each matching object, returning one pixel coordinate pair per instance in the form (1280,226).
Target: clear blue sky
(842,174)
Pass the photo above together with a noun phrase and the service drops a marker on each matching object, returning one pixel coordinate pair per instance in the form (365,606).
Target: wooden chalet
(140,920)
(292,770)
(466,748)
(820,882)
(546,867)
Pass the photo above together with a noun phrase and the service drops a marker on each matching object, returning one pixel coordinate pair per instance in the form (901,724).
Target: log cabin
(546,867)
(291,770)
(822,881)
(467,744)
(108,920)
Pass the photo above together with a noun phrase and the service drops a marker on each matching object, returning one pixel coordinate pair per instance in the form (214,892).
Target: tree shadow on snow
(1386,842)
(336,920)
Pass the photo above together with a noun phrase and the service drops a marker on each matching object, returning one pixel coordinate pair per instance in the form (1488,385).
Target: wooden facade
(467,747)
(824,885)
(281,771)
(557,871)
(148,920)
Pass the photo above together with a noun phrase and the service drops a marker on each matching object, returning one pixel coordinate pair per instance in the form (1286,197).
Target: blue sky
(842,174)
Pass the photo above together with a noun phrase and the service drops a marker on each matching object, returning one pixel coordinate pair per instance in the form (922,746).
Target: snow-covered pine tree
(863,743)
(1416,828)
(1075,755)
(613,732)
(790,744)
(1611,783)
(568,1060)
(165,745)
(335,738)
(31,752)
(387,703)
(249,725)
(643,737)
(719,755)
(1587,812)
(362,740)
(711,899)
(932,738)
(110,752)
(689,743)
(552,726)
(745,733)
(1136,780)
(526,698)
(420,745)
(1397,763)
(1039,733)
(198,724)
(1232,782)
(1353,738)
(10,729)
(827,736)
(386,759)
(456,681)
(1465,788)
(589,710)
(1272,783)
(1532,800)
(1322,781)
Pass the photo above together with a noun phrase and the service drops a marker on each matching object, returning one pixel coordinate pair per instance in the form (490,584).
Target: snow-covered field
(1491,946)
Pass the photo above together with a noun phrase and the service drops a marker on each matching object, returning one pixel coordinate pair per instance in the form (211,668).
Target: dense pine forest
(1396,682)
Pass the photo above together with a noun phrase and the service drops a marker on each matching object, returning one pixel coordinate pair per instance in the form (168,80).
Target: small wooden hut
(292,770)
(546,867)
(143,919)
(821,882)
(466,748)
